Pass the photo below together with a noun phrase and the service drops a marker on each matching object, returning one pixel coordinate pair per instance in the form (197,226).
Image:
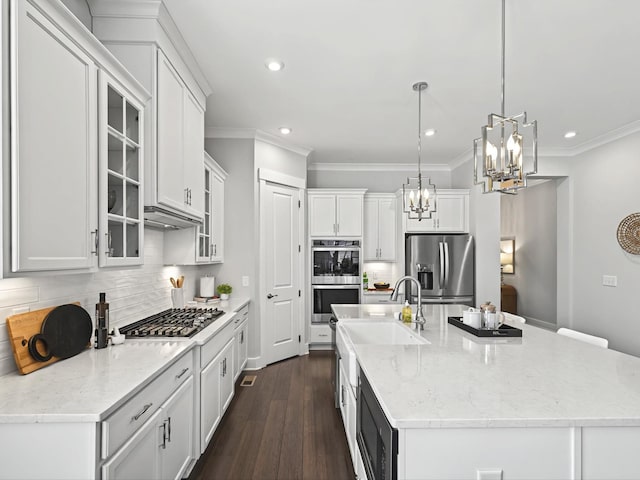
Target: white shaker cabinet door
(322,215)
(387,229)
(53,148)
(217,217)
(139,457)
(349,215)
(177,449)
(370,240)
(193,158)
(170,107)
(452,213)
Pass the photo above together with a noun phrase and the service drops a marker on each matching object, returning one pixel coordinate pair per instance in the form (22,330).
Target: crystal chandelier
(420,202)
(499,154)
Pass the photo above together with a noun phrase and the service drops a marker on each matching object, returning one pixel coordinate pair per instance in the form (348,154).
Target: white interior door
(280,236)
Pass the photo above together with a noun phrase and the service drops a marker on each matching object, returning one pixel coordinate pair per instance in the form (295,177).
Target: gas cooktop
(174,322)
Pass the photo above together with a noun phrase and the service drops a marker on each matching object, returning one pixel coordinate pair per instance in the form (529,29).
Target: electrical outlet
(609,280)
(18,310)
(489,474)
(245,281)
(375,275)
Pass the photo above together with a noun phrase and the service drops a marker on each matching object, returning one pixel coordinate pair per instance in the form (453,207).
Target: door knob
(270,296)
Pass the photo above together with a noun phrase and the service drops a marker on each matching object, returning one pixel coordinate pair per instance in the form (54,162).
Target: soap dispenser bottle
(406,312)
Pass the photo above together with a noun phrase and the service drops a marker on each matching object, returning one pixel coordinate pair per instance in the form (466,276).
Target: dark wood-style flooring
(283,427)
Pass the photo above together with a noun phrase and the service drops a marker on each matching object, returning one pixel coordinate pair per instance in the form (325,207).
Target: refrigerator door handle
(446,264)
(441,277)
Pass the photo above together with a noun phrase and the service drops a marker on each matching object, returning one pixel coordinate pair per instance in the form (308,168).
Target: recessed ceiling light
(274,64)
(285,130)
(430,132)
(570,134)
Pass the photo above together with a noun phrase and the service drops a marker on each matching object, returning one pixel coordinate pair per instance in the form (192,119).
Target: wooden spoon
(173,282)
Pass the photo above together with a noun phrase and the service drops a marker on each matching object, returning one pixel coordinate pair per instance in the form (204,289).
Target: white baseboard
(541,324)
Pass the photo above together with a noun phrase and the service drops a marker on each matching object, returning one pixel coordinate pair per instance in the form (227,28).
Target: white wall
(484,225)
(375,181)
(133,293)
(241,158)
(605,189)
(530,217)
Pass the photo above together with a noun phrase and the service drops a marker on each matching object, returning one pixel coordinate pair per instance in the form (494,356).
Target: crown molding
(605,138)
(258,135)
(376,167)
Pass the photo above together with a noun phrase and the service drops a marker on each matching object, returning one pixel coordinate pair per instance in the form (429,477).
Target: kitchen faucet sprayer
(420,320)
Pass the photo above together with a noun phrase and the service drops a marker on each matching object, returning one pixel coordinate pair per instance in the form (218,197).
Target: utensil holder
(177,298)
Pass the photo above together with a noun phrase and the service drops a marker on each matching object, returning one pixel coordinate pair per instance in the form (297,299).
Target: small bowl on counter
(381,286)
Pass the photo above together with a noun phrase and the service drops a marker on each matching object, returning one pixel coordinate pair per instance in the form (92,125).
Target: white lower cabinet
(138,458)
(157,424)
(320,333)
(241,352)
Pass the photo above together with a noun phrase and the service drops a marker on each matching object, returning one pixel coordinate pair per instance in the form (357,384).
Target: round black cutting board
(67,330)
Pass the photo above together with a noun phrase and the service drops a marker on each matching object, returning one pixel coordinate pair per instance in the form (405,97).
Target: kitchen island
(539,406)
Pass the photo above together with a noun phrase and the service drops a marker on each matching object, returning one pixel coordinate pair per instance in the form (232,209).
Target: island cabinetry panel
(348,412)
(451,216)
(610,452)
(64,141)
(205,243)
(380,231)
(335,213)
(540,453)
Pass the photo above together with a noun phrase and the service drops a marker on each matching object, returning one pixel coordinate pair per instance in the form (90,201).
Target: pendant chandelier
(420,201)
(499,155)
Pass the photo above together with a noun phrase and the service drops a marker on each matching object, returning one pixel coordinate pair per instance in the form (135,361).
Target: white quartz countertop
(460,380)
(91,385)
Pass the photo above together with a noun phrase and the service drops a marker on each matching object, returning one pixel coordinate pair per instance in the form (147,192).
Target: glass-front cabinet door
(203,253)
(121,224)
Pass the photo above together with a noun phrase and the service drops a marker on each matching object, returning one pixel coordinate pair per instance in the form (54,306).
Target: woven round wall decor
(629,233)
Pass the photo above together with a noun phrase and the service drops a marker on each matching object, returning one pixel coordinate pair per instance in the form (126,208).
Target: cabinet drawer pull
(184,370)
(142,412)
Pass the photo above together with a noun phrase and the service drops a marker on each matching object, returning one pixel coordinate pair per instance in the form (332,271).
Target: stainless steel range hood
(159,217)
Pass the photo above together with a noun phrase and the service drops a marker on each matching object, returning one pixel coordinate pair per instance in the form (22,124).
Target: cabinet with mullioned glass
(121,225)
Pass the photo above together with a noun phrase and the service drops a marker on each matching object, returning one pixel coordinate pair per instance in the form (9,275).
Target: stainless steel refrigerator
(444,266)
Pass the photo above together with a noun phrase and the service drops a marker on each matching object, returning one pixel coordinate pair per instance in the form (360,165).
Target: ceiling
(349,67)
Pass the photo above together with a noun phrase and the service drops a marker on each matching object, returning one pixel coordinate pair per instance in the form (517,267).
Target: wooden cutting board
(21,328)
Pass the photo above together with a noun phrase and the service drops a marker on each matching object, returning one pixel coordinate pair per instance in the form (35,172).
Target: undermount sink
(381,333)
(371,333)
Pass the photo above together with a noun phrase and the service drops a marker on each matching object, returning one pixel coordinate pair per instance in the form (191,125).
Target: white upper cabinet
(180,143)
(54,147)
(335,213)
(54,128)
(143,37)
(451,216)
(380,229)
(120,193)
(203,244)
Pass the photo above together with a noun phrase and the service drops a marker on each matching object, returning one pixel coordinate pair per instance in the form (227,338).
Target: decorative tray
(503,331)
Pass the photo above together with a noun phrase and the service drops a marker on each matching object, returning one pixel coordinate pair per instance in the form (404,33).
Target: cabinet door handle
(95,241)
(169,429)
(164,435)
(337,228)
(108,239)
(242,336)
(185,370)
(142,412)
(186,196)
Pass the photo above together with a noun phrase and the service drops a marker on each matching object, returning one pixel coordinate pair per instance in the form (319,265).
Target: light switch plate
(245,281)
(609,280)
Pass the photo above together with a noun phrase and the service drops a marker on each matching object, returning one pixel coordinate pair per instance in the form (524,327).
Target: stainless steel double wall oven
(336,276)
